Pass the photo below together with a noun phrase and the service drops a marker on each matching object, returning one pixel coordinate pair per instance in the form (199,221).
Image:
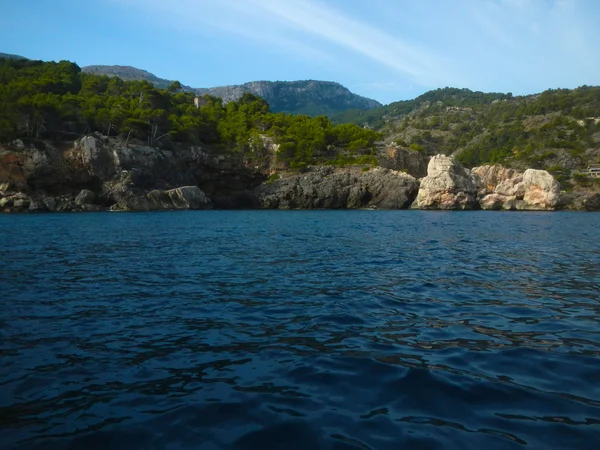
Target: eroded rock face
(447,185)
(328,188)
(396,158)
(507,189)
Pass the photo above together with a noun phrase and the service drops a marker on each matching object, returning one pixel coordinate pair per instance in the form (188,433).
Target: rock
(396,158)
(18,144)
(489,177)
(91,208)
(20,202)
(498,202)
(159,200)
(542,191)
(503,188)
(96,158)
(85,197)
(24,167)
(447,185)
(512,187)
(592,202)
(185,197)
(37,205)
(327,188)
(188,197)
(4,187)
(6,202)
(387,189)
(50,203)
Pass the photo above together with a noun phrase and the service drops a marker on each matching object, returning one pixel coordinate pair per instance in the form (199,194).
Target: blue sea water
(300,330)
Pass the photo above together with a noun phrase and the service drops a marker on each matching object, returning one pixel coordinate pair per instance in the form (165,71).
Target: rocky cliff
(329,188)
(448,185)
(96,173)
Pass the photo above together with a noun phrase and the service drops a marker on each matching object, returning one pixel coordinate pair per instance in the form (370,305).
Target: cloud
(334,26)
(310,29)
(520,46)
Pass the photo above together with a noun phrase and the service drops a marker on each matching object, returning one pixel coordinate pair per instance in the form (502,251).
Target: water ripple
(307,330)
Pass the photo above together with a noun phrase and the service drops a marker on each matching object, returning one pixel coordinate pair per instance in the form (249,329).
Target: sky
(388,50)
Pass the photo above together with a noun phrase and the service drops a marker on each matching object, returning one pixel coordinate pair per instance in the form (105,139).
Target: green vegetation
(554,128)
(557,129)
(47,100)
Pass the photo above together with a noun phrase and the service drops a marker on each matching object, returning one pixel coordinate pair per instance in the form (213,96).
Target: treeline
(48,100)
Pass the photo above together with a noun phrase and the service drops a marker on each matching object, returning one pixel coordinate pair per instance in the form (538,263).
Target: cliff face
(329,188)
(96,173)
(310,97)
(121,177)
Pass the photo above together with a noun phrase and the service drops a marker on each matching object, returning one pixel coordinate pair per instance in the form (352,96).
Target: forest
(56,101)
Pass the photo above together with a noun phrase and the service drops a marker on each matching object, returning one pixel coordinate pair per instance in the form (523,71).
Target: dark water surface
(300,330)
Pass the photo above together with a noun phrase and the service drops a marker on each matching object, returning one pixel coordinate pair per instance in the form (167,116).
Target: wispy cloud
(508,45)
(337,28)
(311,29)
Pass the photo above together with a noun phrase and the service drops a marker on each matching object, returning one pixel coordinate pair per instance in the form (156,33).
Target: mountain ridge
(310,97)
(11,56)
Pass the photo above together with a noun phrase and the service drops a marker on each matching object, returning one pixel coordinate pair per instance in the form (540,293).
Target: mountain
(9,56)
(308,97)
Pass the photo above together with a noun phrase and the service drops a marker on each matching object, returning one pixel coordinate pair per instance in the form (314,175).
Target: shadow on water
(307,330)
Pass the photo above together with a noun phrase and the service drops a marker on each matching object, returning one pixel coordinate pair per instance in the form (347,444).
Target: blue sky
(384,49)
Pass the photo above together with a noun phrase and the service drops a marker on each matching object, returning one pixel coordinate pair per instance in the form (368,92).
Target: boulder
(488,177)
(188,197)
(447,185)
(50,203)
(542,191)
(37,205)
(329,188)
(85,197)
(15,202)
(534,190)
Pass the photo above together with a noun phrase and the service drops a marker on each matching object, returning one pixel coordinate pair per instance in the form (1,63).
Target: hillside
(557,130)
(310,97)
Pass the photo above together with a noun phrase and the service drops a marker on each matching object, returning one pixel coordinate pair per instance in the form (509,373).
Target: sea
(300,330)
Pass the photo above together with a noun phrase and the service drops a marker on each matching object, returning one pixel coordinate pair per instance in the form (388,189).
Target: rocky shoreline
(99,174)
